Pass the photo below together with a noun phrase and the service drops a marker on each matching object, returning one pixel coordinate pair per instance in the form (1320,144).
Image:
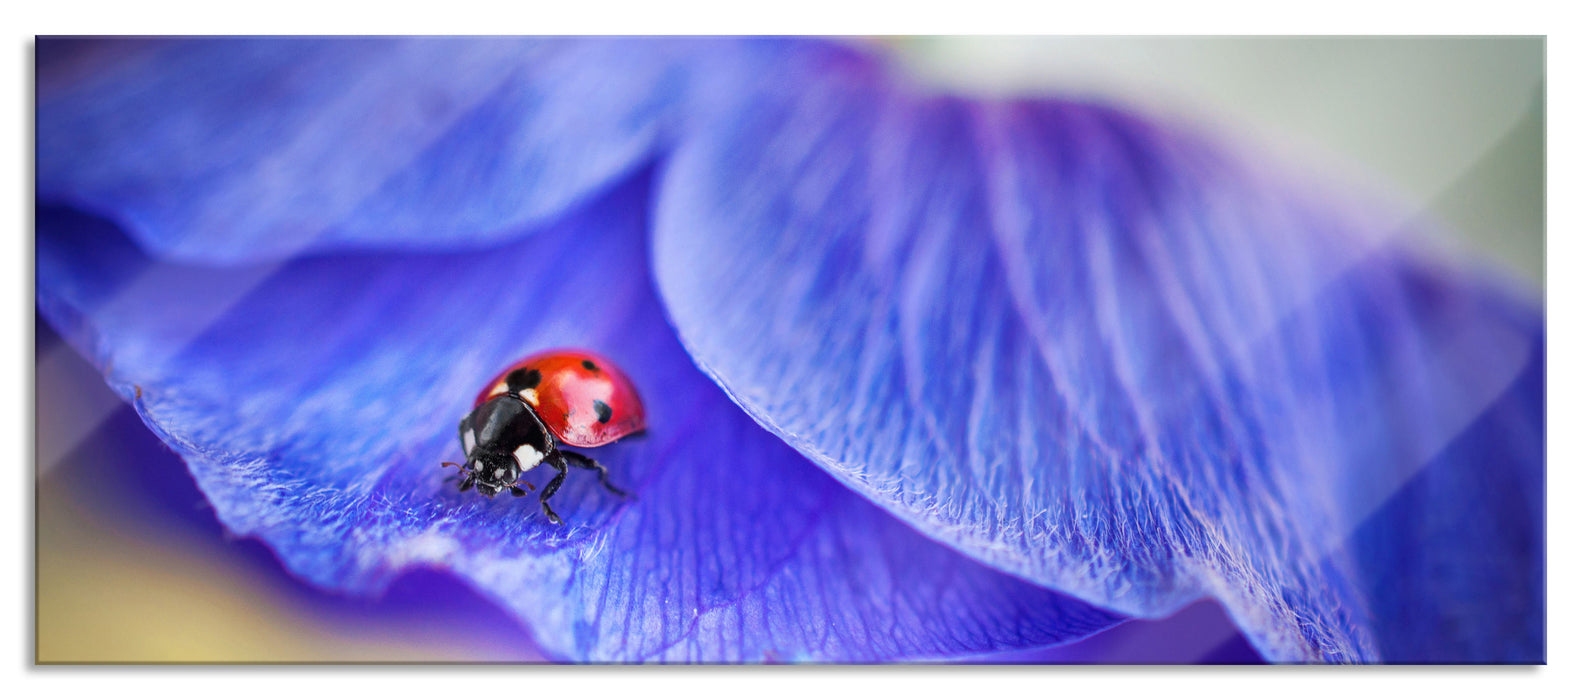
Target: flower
(1059,364)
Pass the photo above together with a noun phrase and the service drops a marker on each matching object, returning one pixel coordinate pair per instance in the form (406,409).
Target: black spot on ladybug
(601,408)
(588,365)
(523,379)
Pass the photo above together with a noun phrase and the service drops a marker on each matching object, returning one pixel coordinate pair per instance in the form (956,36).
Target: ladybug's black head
(502,437)
(493,472)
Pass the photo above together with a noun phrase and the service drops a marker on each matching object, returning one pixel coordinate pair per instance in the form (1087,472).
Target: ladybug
(553,398)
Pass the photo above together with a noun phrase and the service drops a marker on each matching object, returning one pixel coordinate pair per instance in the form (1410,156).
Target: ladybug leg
(559,463)
(587,462)
(465,483)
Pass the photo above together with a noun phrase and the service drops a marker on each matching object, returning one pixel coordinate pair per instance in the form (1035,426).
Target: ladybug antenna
(442,465)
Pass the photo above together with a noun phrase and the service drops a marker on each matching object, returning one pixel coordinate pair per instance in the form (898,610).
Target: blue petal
(315,399)
(1111,359)
(238,149)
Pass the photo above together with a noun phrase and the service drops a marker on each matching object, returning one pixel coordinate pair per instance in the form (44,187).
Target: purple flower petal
(1111,359)
(273,146)
(315,399)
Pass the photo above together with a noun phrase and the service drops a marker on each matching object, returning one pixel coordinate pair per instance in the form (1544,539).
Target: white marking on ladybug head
(499,473)
(469,440)
(530,396)
(527,457)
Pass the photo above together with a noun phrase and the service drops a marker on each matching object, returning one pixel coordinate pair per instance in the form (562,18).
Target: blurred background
(131,565)
(1449,128)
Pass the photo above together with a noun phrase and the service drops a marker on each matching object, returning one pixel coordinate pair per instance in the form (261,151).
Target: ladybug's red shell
(583,398)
